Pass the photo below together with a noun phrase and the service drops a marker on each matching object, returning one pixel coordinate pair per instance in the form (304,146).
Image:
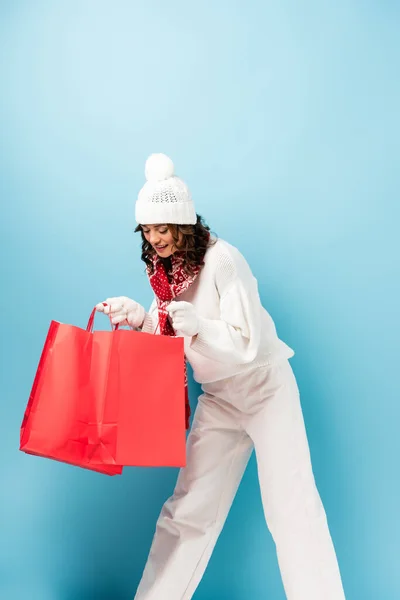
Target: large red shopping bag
(104,399)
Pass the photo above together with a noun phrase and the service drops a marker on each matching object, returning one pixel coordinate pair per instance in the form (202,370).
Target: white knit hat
(164,198)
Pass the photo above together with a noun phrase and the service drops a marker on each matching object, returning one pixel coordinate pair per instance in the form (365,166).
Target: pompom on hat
(164,198)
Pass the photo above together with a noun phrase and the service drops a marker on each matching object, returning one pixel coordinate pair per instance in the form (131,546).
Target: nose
(154,238)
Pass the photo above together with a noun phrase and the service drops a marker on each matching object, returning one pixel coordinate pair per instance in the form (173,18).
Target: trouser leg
(191,520)
(292,505)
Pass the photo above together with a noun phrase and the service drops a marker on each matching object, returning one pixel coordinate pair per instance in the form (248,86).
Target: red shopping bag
(104,399)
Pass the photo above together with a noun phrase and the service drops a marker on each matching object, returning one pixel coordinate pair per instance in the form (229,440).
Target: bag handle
(90,324)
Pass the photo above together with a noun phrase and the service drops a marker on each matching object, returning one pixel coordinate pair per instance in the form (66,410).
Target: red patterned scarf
(165,292)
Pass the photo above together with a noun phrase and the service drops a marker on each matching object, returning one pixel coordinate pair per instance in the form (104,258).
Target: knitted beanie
(164,198)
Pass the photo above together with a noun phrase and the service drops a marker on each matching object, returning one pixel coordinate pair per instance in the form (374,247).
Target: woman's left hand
(184,318)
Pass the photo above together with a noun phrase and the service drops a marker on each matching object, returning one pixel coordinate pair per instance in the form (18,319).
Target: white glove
(124,311)
(184,318)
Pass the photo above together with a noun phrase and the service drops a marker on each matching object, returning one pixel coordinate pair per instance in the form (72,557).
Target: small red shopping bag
(104,399)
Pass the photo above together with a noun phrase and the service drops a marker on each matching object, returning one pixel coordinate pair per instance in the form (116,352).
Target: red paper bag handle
(91,320)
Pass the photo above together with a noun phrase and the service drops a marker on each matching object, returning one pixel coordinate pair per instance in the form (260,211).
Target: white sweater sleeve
(235,336)
(150,322)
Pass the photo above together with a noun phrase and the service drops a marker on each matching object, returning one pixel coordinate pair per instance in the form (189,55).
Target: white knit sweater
(236,332)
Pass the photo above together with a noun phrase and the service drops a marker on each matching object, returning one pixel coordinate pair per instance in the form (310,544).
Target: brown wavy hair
(193,240)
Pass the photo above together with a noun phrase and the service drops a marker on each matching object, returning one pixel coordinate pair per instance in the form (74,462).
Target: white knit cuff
(203,340)
(148,324)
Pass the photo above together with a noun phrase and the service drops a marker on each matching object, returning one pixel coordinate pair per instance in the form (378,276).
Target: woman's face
(160,237)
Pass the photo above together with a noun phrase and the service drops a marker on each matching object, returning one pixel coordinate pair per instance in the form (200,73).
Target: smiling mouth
(161,247)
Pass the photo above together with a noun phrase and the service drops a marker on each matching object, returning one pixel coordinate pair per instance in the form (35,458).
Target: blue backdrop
(284,119)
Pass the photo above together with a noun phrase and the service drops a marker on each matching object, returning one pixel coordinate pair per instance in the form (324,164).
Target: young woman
(205,291)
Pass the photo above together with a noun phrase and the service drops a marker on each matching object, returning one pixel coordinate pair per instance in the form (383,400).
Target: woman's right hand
(123,311)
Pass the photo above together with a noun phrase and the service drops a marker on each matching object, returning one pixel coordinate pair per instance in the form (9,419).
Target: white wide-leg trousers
(259,409)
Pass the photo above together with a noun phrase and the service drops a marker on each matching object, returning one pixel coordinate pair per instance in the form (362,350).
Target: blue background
(283,117)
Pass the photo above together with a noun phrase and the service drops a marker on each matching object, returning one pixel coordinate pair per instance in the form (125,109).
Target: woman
(205,292)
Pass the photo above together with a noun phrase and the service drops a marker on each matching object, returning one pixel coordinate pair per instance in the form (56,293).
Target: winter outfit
(250,400)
